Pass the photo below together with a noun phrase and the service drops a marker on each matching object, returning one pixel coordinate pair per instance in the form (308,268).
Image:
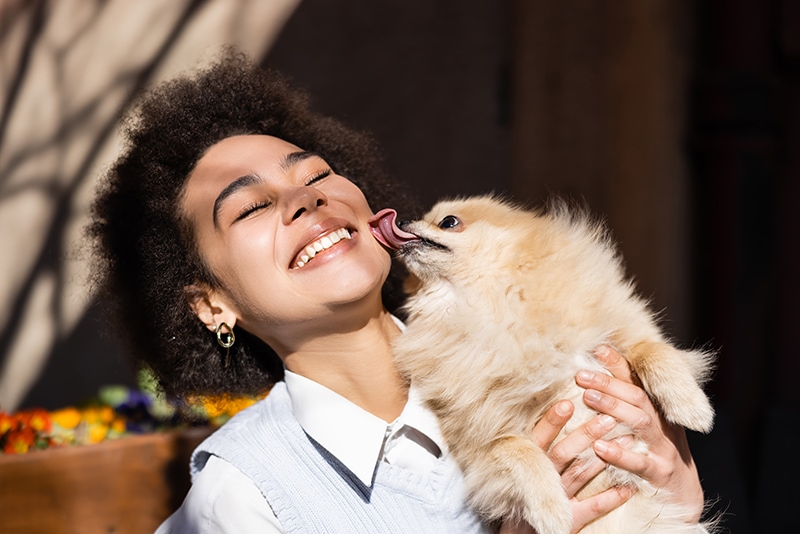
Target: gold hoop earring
(225,339)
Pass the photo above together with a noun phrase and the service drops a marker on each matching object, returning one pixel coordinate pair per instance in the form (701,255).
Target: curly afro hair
(145,250)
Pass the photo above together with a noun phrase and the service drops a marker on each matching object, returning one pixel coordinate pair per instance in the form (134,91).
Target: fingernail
(601,446)
(563,408)
(592,395)
(624,441)
(607,422)
(603,353)
(585,376)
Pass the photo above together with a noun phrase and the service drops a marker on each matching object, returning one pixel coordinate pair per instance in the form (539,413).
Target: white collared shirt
(223,500)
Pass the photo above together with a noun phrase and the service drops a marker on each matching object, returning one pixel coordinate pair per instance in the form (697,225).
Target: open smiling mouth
(323,243)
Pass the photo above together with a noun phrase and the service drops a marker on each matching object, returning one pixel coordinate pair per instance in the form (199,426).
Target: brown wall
(599,115)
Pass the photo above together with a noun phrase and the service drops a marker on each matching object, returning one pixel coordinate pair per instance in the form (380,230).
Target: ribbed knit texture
(310,491)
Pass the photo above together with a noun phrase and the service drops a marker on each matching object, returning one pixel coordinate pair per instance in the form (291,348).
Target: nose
(301,200)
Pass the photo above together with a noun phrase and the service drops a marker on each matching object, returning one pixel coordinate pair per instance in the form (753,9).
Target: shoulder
(222,500)
(245,434)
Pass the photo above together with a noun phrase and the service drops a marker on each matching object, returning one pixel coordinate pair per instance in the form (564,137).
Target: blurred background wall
(676,120)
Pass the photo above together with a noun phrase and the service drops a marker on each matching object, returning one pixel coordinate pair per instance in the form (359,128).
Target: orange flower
(19,441)
(118,425)
(107,414)
(38,419)
(7,422)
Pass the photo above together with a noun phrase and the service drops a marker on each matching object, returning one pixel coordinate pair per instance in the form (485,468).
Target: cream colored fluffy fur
(505,307)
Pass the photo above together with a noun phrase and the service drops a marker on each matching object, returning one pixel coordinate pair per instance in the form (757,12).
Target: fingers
(586,511)
(636,411)
(583,512)
(618,397)
(551,424)
(615,363)
(620,385)
(580,472)
(613,453)
(579,440)
(583,470)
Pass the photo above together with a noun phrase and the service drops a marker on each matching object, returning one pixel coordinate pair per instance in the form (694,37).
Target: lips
(384,228)
(323,243)
(320,238)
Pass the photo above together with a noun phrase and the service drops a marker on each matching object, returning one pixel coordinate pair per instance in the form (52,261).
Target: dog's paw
(693,411)
(512,477)
(672,378)
(551,515)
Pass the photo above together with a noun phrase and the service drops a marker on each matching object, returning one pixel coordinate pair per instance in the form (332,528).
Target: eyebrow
(291,159)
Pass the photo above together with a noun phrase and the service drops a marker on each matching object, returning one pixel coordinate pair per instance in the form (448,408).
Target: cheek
(350,194)
(242,263)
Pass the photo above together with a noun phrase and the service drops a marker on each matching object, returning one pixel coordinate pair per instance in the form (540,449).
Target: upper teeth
(324,242)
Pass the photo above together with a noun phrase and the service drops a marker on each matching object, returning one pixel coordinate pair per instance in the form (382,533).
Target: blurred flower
(116,412)
(97,433)
(66,418)
(20,440)
(37,419)
(7,422)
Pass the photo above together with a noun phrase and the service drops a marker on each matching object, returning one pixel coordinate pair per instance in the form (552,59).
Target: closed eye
(319,176)
(250,209)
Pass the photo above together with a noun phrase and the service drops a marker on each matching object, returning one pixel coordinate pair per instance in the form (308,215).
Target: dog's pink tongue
(385,229)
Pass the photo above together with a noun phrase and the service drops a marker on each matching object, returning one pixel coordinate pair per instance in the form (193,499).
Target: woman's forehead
(242,149)
(240,155)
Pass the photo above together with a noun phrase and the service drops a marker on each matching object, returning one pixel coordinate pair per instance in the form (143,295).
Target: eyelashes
(319,176)
(250,209)
(253,207)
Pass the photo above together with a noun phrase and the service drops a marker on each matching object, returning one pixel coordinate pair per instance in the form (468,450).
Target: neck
(356,363)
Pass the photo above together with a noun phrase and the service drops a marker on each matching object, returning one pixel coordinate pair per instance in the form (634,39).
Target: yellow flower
(97,433)
(91,415)
(67,418)
(214,406)
(225,405)
(235,406)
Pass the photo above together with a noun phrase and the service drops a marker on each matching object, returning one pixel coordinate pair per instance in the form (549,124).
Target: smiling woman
(234,239)
(265,216)
(139,228)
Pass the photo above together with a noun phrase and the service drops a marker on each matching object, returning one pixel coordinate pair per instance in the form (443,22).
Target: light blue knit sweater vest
(310,491)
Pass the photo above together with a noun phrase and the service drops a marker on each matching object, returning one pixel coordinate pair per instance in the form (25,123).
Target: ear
(209,306)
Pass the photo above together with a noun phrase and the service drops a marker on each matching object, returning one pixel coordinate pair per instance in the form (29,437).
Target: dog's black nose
(403,224)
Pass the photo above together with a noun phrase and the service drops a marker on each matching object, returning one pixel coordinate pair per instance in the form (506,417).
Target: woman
(235,244)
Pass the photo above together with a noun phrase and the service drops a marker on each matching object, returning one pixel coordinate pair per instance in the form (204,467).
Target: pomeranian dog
(505,306)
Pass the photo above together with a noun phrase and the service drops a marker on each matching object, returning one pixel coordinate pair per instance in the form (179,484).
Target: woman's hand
(668,464)
(575,475)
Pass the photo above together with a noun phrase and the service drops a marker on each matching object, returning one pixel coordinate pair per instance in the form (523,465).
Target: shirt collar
(353,435)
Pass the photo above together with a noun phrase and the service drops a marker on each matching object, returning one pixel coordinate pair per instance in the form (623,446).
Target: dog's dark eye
(451,221)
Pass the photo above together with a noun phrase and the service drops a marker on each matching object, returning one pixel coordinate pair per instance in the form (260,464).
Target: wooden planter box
(128,485)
